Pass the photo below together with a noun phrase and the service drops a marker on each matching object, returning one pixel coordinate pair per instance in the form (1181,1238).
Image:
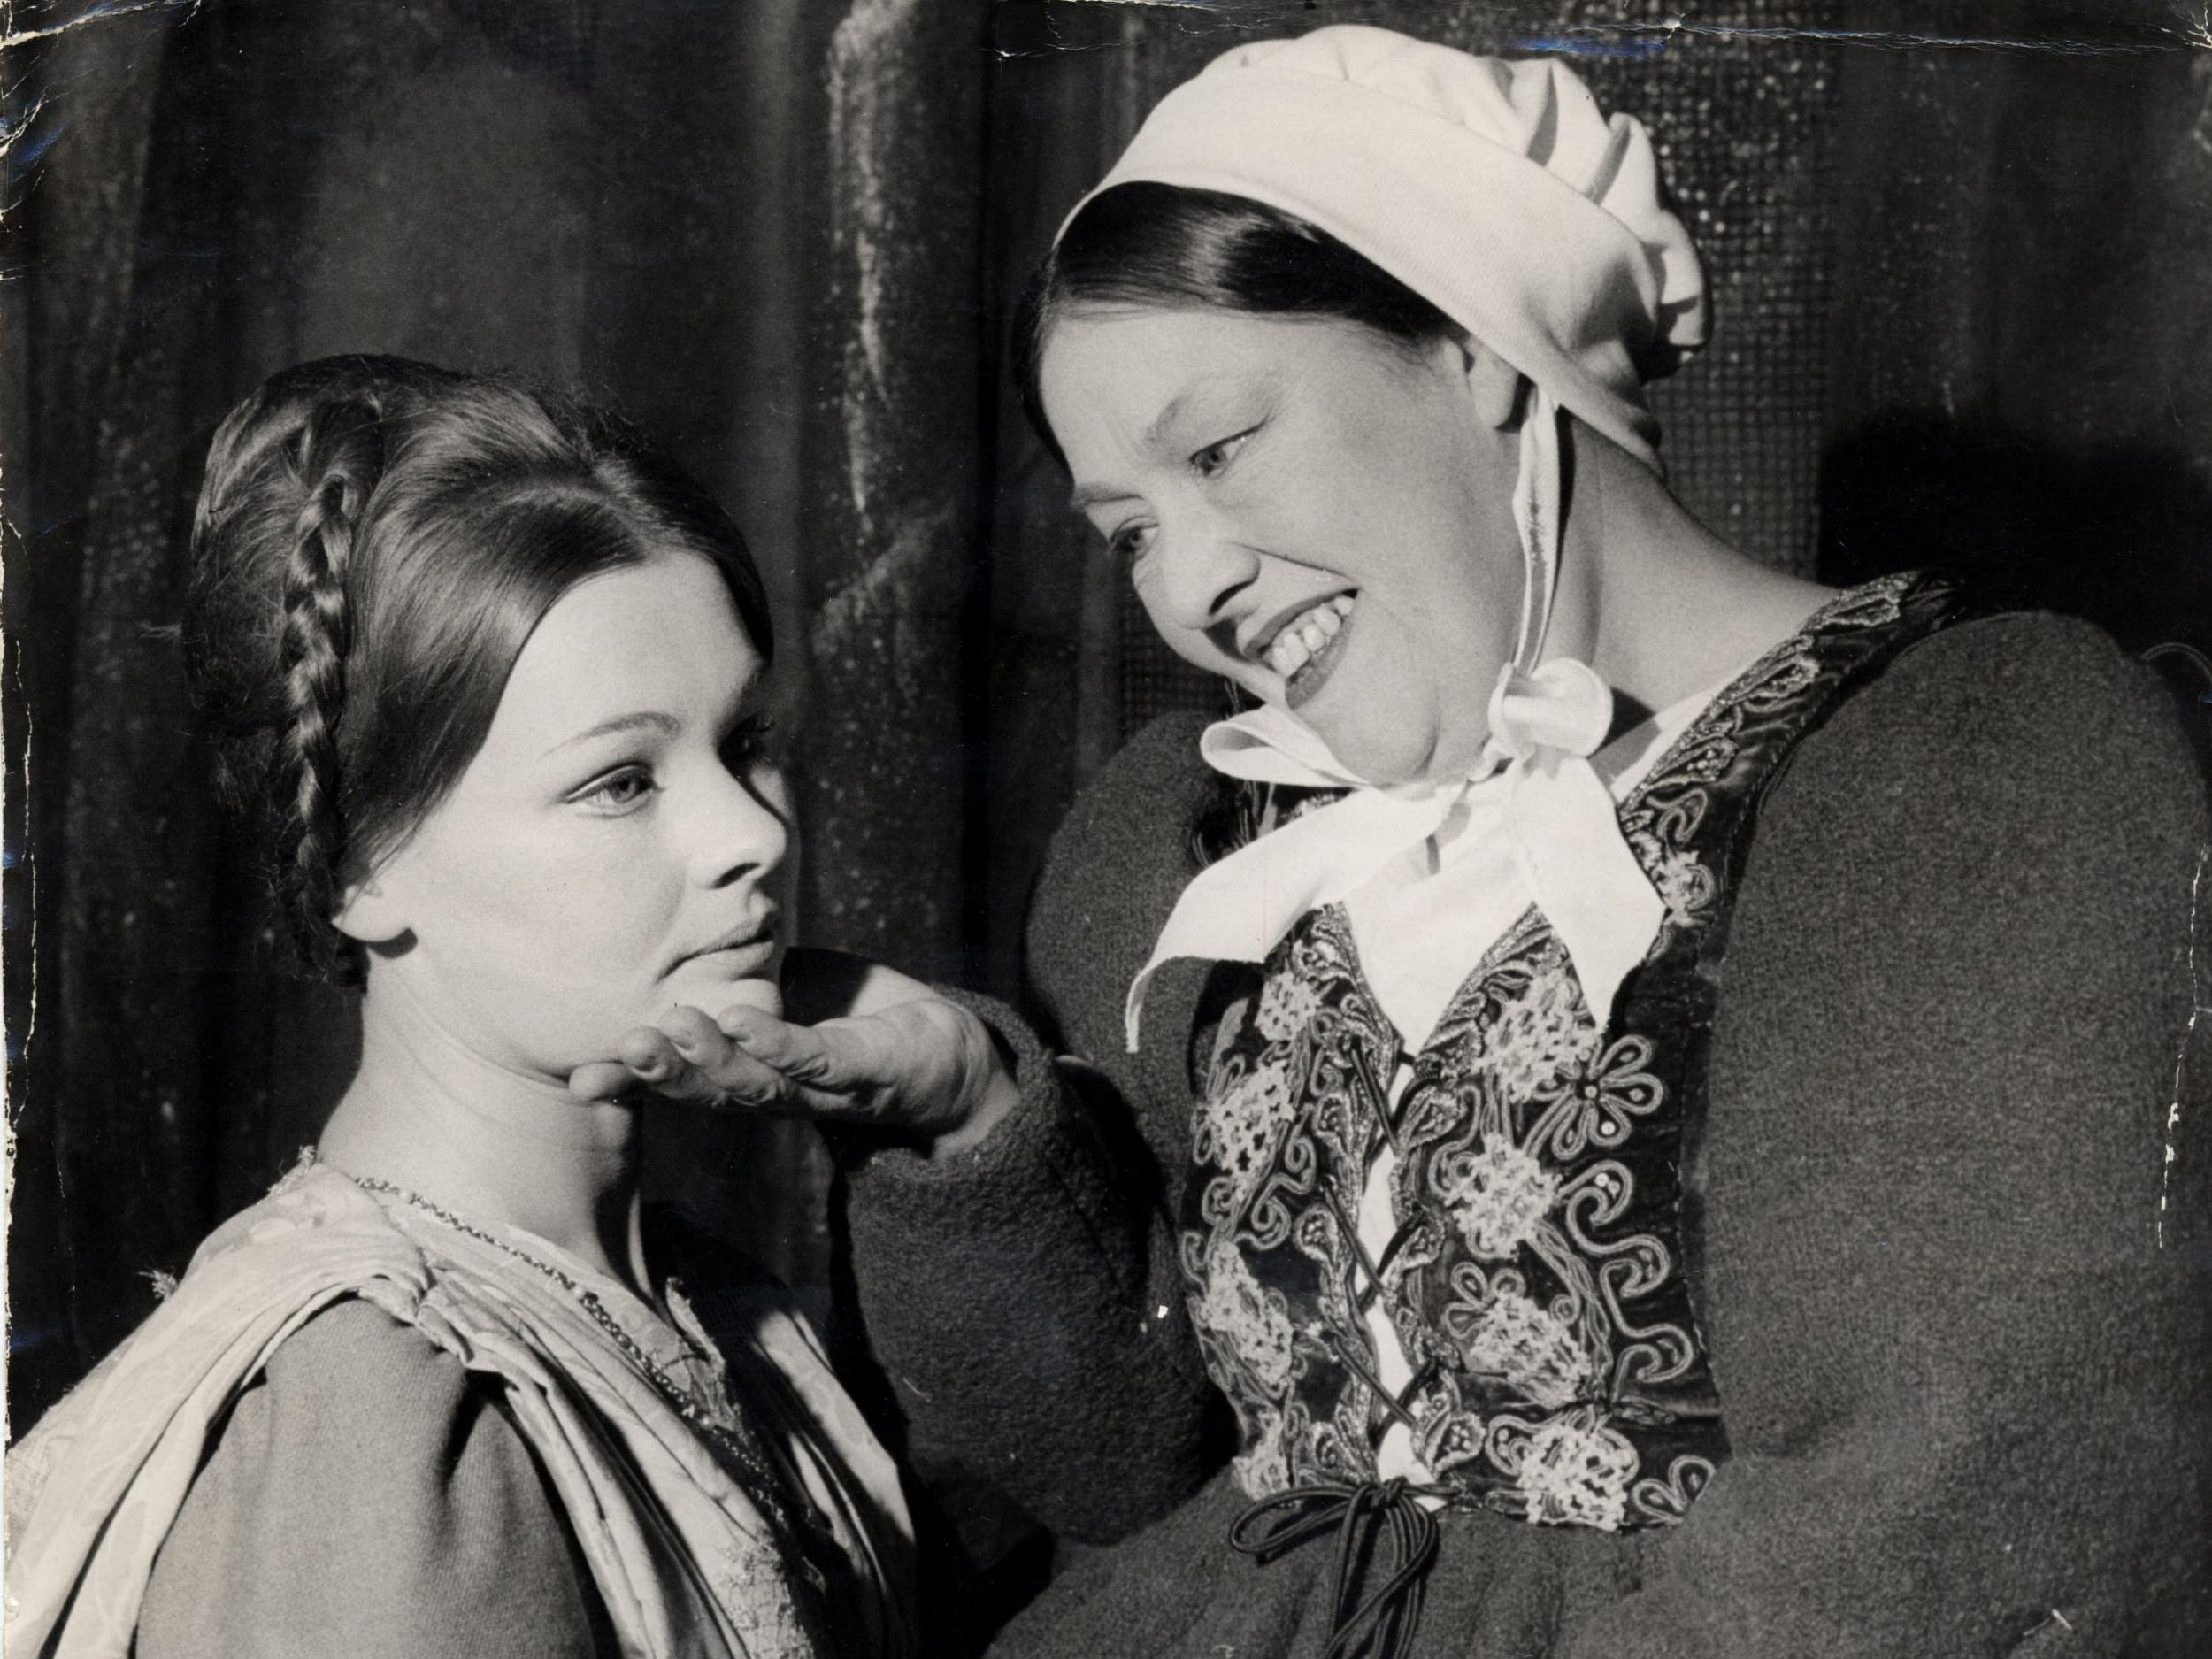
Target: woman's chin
(1380,757)
(746,978)
(763,994)
(714,994)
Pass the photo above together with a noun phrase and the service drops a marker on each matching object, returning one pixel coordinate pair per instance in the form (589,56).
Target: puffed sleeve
(1022,1298)
(1960,1345)
(369,1496)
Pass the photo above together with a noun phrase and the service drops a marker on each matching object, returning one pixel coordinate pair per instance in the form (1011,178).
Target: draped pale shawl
(679,1553)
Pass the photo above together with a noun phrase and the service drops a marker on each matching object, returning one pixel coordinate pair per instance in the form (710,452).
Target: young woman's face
(615,846)
(1308,509)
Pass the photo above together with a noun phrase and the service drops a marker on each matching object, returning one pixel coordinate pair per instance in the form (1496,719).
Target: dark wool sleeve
(368,1497)
(1023,1297)
(1962,1356)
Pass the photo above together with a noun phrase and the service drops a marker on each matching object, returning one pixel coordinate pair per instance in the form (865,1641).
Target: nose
(741,825)
(1201,570)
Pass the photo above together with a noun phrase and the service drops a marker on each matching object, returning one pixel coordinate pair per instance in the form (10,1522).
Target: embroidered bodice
(1536,1278)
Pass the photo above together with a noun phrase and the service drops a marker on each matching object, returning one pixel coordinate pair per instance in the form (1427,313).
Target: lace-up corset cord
(1454,1268)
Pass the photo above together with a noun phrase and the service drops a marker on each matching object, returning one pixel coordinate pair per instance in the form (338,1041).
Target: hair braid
(337,456)
(374,541)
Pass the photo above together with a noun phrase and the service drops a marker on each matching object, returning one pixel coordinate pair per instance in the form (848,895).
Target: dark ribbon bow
(1378,1510)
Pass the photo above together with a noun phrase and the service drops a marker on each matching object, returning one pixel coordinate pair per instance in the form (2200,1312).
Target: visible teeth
(1304,638)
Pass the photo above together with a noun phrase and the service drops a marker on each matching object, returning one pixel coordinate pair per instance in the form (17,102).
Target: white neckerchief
(1427,918)
(1546,719)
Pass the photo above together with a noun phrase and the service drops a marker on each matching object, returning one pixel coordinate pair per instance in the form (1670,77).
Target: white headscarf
(1496,191)
(1502,195)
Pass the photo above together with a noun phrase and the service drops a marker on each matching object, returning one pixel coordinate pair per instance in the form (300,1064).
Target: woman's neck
(427,1113)
(1649,598)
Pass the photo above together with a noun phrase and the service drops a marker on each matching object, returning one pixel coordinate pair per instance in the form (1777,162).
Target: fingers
(773,1042)
(692,1037)
(711,1069)
(920,1067)
(846,1057)
(916,1065)
(685,1058)
(643,1055)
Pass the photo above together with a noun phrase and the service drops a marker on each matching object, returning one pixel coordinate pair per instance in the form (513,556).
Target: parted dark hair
(1165,246)
(374,541)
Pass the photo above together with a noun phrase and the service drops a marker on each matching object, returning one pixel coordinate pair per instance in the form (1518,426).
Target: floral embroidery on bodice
(1536,1278)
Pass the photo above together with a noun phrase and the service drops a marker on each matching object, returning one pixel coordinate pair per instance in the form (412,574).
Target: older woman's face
(1307,508)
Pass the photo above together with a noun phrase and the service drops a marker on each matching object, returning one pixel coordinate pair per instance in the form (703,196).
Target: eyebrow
(644,720)
(1086,495)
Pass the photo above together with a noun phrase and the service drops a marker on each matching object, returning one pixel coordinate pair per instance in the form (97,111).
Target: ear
(370,910)
(1493,383)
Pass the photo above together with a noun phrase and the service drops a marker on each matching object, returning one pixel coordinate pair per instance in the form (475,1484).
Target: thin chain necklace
(759,1481)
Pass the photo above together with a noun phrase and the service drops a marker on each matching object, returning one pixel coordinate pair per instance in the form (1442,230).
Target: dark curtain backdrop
(1961,275)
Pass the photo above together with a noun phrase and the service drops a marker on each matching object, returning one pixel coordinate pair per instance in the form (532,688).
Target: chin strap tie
(1534,778)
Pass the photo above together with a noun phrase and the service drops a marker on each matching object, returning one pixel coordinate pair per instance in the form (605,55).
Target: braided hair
(339,454)
(375,539)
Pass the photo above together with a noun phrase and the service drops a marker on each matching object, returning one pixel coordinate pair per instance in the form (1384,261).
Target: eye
(747,745)
(1209,461)
(1132,542)
(623,790)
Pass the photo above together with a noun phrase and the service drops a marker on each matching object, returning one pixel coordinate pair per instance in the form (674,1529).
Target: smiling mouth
(1306,647)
